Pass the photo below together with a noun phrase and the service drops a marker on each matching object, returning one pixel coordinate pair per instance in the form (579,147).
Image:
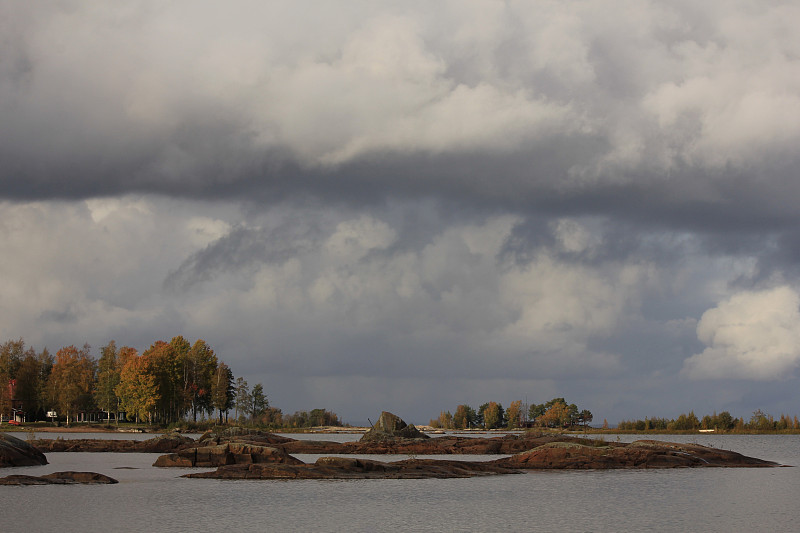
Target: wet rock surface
(60,478)
(17,452)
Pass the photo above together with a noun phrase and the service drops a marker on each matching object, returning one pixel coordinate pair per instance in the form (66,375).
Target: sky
(408,206)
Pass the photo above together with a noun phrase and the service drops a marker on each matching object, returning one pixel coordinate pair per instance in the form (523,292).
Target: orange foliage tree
(71,380)
(514,414)
(138,389)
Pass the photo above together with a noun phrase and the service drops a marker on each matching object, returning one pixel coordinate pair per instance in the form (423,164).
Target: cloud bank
(414,206)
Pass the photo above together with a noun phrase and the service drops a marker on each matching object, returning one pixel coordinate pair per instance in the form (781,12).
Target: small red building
(15,411)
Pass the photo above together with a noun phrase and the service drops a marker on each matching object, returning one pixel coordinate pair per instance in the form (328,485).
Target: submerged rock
(17,452)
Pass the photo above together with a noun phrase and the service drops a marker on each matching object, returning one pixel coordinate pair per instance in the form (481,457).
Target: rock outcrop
(226,454)
(565,454)
(59,478)
(161,444)
(639,454)
(166,442)
(391,427)
(386,441)
(259,455)
(17,452)
(351,468)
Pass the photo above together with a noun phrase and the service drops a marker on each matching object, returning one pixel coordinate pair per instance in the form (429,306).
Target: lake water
(153,499)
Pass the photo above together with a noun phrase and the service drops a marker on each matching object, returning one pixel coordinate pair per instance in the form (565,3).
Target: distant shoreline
(361,430)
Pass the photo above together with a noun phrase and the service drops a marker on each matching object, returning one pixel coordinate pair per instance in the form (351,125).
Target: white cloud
(751,335)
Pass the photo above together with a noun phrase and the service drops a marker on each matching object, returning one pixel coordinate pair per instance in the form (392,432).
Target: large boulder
(17,452)
(391,427)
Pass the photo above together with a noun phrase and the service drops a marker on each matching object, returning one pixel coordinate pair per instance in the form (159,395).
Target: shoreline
(361,430)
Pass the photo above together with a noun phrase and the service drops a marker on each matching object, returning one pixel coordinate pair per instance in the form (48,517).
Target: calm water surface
(152,499)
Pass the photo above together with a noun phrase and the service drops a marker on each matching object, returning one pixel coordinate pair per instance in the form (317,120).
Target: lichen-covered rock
(17,452)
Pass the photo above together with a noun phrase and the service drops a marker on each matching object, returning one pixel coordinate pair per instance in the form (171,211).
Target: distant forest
(556,413)
(169,383)
(724,421)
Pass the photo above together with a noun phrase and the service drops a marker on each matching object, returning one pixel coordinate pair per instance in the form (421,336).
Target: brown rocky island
(243,454)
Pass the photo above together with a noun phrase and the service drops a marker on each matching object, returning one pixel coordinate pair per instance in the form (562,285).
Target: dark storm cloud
(575,123)
(365,196)
(240,249)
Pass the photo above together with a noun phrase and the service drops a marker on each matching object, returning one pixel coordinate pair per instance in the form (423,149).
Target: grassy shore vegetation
(170,384)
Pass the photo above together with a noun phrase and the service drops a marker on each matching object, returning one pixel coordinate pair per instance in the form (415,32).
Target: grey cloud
(141,113)
(241,249)
(335,195)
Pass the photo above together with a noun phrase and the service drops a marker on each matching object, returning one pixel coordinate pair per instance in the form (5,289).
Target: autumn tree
(71,380)
(323,417)
(535,411)
(222,391)
(158,361)
(138,387)
(445,421)
(108,376)
(201,363)
(464,417)
(317,417)
(514,414)
(556,414)
(181,378)
(761,421)
(492,414)
(11,354)
(32,376)
(272,416)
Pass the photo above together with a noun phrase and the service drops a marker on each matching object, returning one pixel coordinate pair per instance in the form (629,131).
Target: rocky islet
(238,453)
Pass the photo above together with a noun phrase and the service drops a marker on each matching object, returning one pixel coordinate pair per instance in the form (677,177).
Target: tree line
(556,413)
(168,383)
(724,421)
